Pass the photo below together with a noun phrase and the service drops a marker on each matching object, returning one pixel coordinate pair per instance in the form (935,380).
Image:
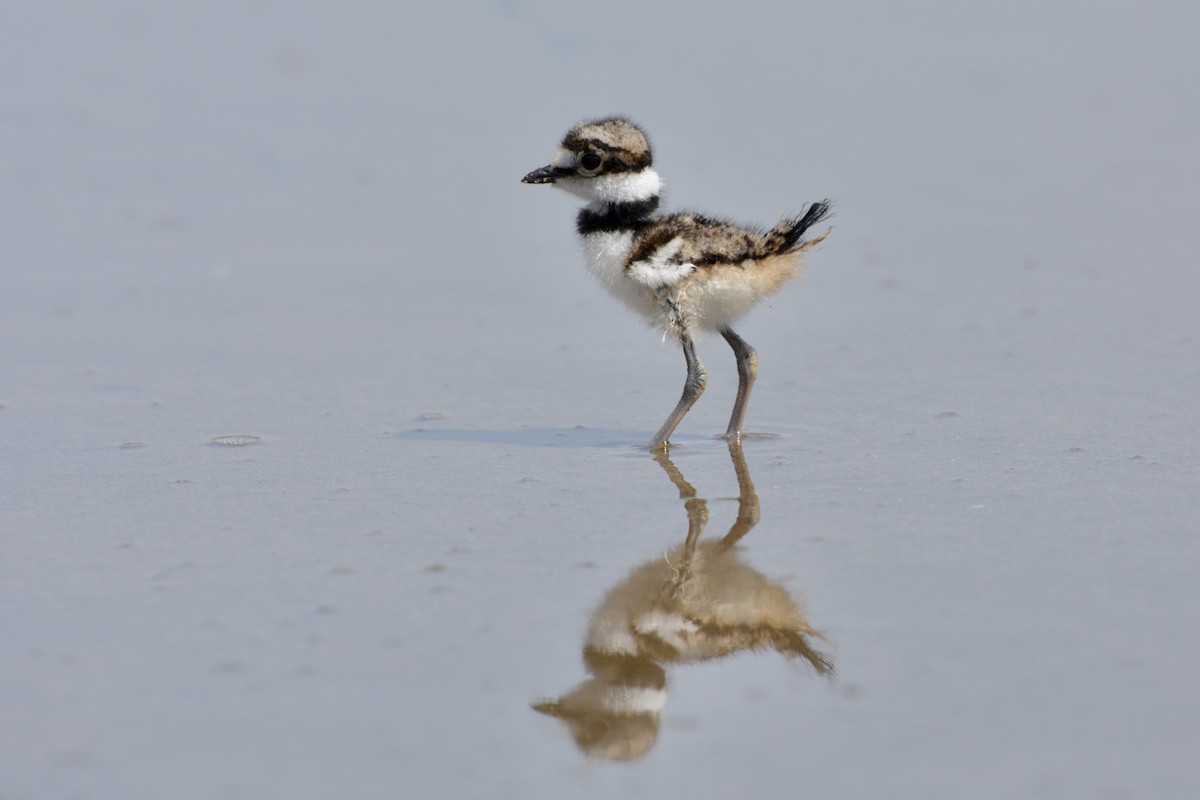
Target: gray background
(303,221)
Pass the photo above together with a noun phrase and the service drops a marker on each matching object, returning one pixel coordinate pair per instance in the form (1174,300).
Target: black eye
(590,161)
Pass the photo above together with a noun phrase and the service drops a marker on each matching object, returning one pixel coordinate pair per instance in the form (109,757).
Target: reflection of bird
(684,271)
(697,603)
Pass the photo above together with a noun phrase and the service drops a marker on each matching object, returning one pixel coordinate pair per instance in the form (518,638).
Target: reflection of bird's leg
(674,589)
(697,507)
(748,510)
(686,490)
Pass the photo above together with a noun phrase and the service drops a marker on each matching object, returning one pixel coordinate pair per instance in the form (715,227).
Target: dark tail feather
(786,236)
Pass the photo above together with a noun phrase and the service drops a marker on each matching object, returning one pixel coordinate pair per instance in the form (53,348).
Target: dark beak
(546,174)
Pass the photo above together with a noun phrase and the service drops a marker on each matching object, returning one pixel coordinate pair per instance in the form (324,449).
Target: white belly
(606,255)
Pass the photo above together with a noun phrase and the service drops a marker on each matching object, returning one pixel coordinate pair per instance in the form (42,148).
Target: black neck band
(614,217)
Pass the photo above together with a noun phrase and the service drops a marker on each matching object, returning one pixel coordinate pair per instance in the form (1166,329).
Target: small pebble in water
(237,440)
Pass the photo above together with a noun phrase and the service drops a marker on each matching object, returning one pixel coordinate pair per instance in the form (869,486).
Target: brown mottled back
(704,240)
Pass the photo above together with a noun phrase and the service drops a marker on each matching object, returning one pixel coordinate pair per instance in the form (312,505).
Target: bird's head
(606,160)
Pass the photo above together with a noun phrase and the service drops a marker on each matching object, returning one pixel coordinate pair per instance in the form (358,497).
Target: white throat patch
(624,187)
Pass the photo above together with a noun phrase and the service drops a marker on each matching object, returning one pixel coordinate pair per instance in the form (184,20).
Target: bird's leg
(747,369)
(693,387)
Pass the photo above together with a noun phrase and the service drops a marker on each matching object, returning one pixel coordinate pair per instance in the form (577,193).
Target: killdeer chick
(685,272)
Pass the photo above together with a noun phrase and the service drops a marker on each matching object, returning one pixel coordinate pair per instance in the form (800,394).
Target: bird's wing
(662,266)
(673,247)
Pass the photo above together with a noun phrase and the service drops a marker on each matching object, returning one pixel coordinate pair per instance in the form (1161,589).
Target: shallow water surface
(320,453)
